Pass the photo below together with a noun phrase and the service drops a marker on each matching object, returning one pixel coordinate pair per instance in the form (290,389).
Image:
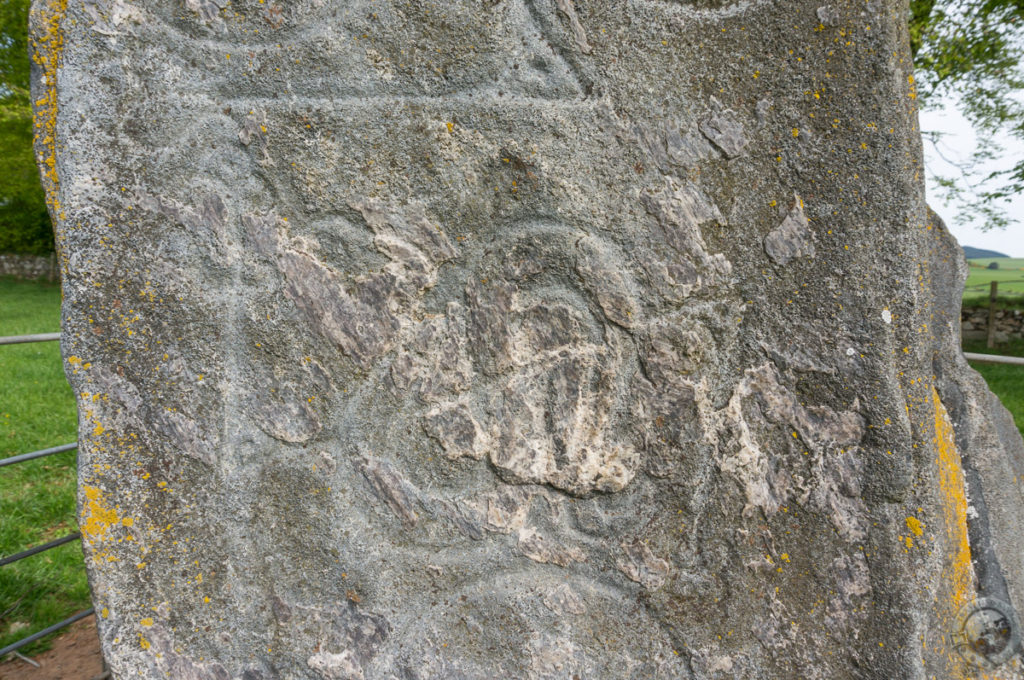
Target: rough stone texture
(519,338)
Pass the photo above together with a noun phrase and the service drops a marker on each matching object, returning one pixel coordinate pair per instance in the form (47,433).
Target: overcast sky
(958,145)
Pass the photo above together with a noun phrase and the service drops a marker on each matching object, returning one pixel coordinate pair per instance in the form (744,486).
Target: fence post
(992,292)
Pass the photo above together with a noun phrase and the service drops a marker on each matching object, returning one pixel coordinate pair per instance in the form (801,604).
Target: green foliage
(970,51)
(1006,302)
(24,223)
(14,62)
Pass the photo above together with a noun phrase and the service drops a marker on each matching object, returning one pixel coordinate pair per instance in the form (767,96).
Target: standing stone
(519,339)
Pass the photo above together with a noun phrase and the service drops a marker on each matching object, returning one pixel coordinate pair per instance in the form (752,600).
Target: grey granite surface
(519,339)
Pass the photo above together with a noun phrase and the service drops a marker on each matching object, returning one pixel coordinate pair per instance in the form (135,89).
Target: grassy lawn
(37,498)
(1006,381)
(1010,276)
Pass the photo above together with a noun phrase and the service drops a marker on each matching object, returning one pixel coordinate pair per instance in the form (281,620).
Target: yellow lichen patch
(915,526)
(147,622)
(958,572)
(97,517)
(143,642)
(951,482)
(47,47)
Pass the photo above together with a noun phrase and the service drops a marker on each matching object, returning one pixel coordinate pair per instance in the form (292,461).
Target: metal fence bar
(37,454)
(38,337)
(15,340)
(994,359)
(39,548)
(46,631)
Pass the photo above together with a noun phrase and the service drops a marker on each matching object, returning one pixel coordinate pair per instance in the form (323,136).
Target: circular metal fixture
(987,633)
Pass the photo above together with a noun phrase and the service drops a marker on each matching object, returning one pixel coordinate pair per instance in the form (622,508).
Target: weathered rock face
(519,338)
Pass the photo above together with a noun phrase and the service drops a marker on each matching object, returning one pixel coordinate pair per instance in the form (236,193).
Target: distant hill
(972,253)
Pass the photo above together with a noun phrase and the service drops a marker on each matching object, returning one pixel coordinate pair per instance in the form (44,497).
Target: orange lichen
(97,517)
(954,495)
(48,46)
(958,571)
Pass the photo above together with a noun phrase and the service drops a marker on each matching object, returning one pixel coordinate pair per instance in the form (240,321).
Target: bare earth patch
(74,656)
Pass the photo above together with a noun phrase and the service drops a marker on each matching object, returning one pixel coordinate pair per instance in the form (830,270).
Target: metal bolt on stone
(987,633)
(519,339)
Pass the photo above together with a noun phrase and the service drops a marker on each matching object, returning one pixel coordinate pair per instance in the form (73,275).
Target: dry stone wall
(1009,323)
(27,266)
(519,339)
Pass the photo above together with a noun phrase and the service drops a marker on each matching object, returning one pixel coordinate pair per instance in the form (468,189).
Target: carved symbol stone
(444,340)
(559,369)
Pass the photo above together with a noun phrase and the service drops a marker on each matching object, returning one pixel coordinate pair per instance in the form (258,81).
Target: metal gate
(14,647)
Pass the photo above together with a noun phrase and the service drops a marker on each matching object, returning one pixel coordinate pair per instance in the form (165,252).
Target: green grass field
(1010,276)
(1006,381)
(37,498)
